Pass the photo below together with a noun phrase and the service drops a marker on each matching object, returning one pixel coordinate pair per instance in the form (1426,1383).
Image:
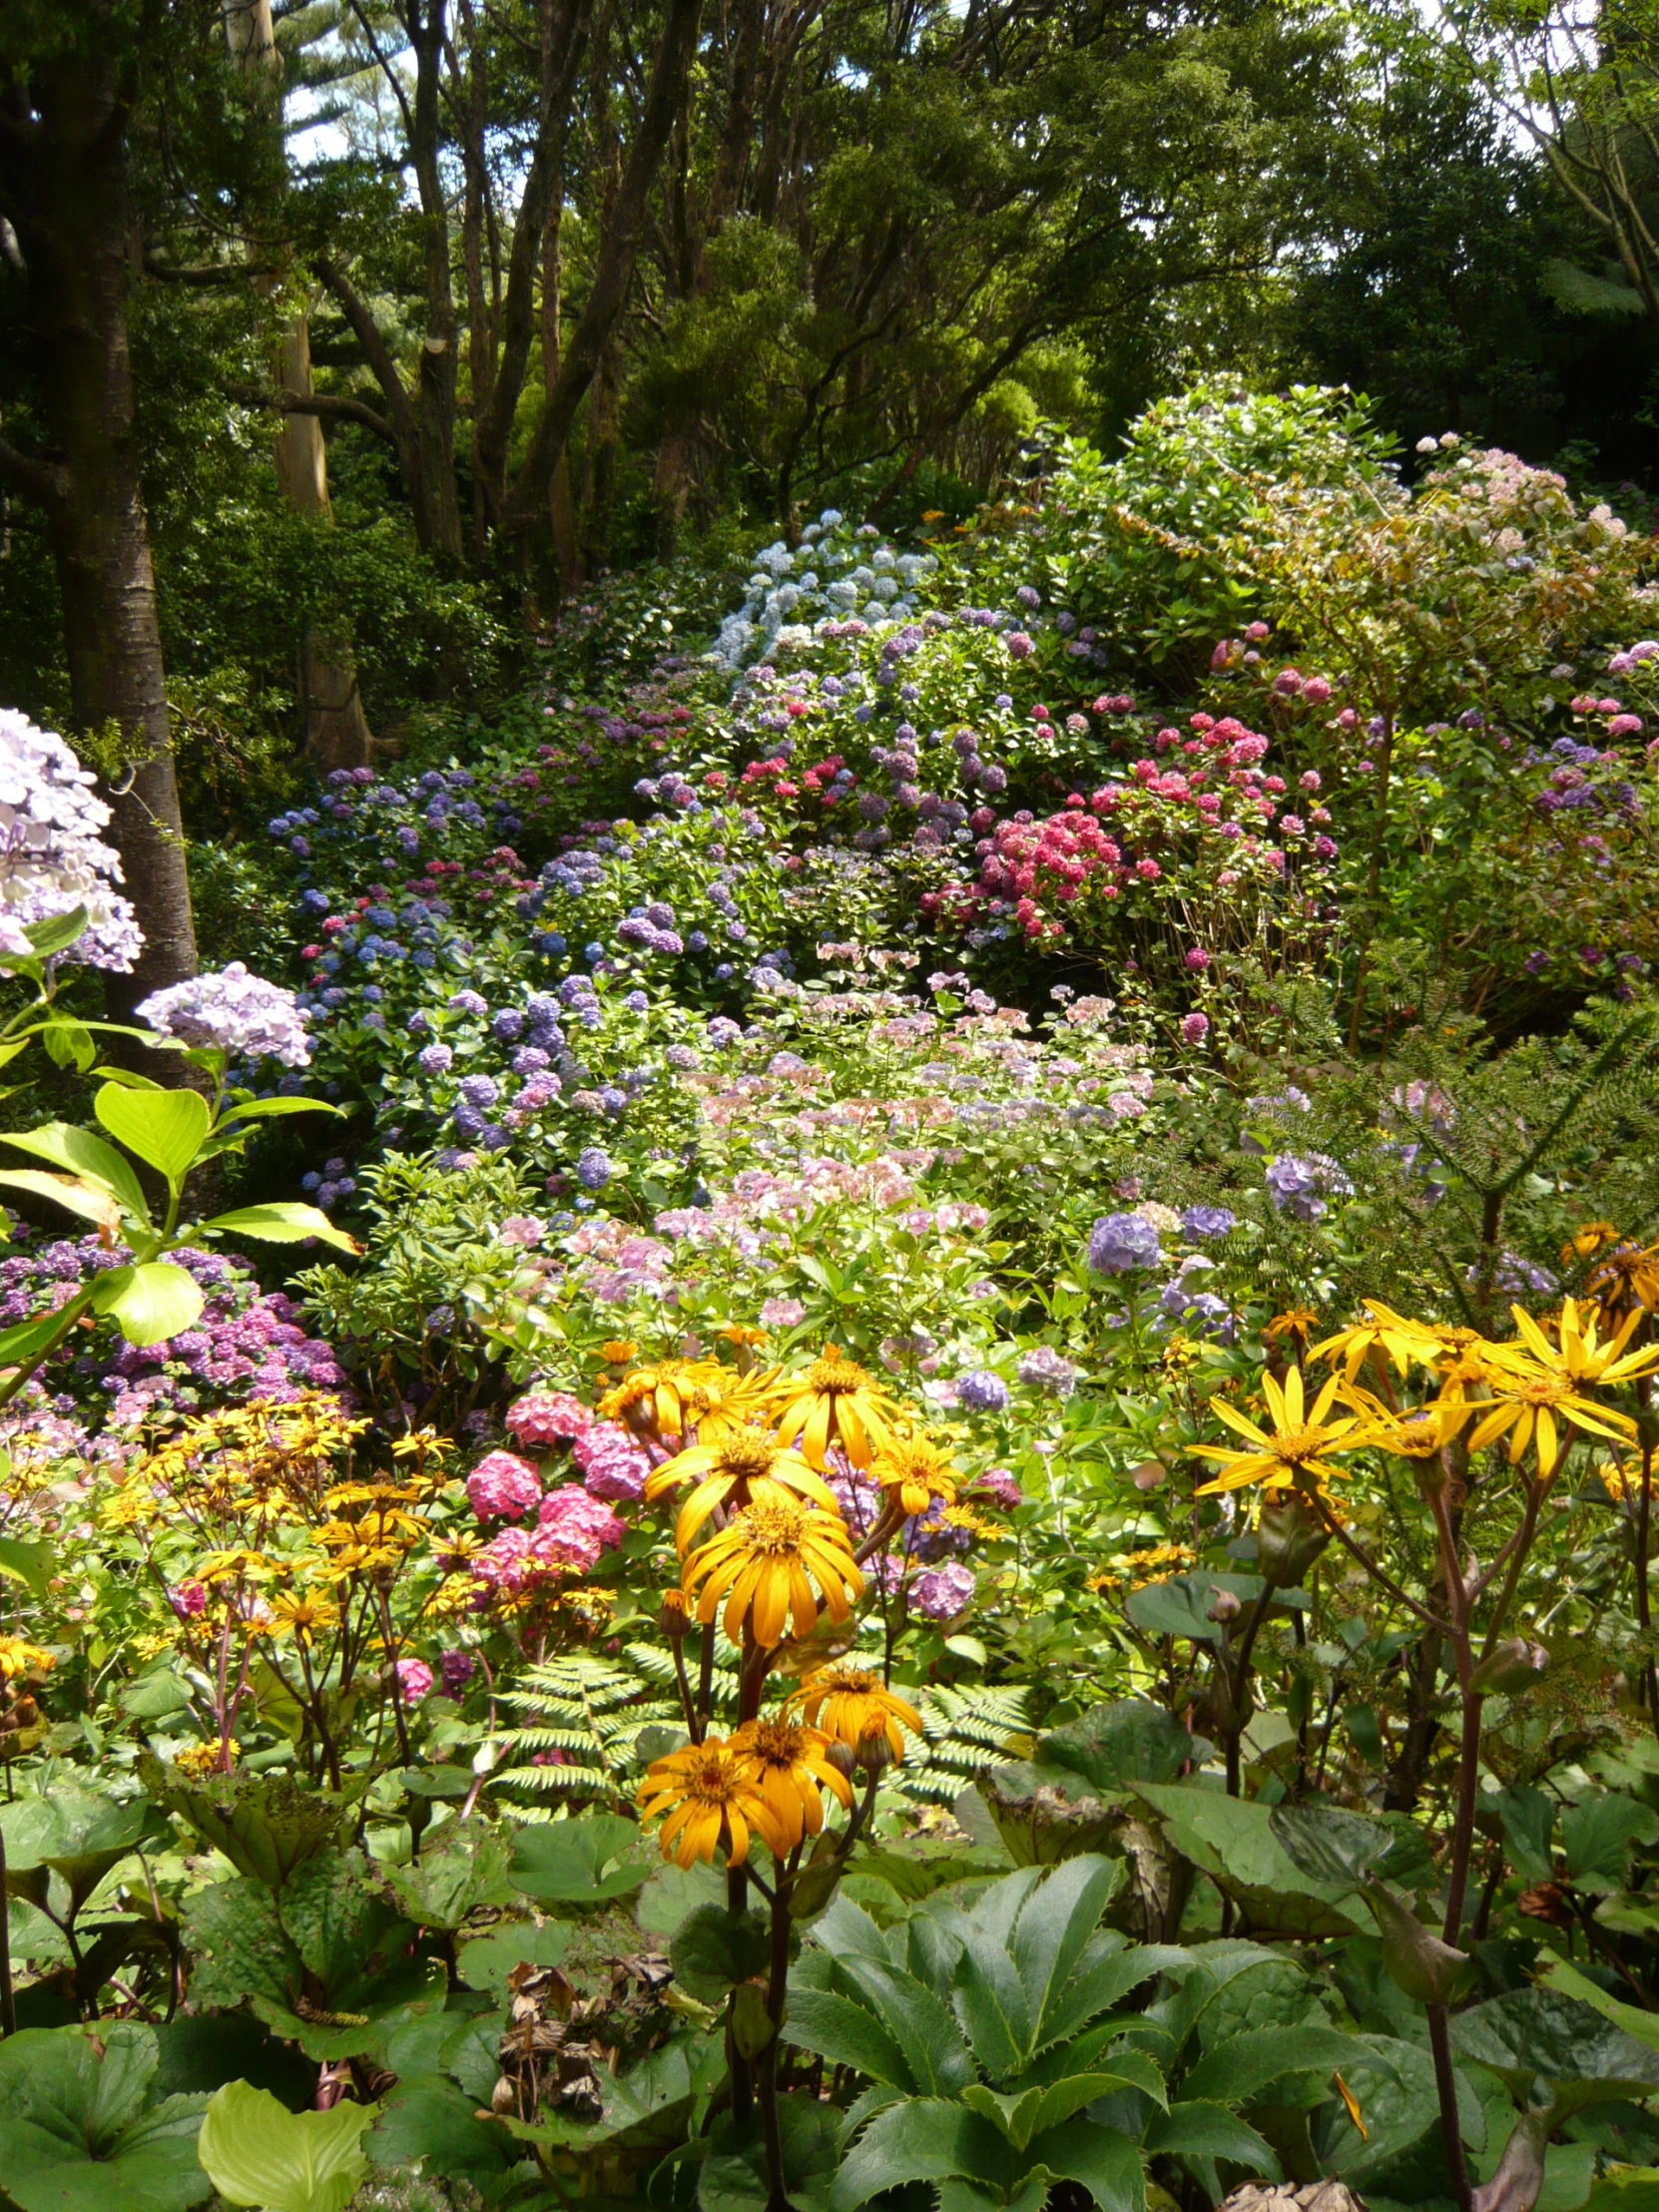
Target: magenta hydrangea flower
(614,1466)
(415,1680)
(188,1600)
(575,1529)
(543,1419)
(943,1593)
(1194,1028)
(502,1486)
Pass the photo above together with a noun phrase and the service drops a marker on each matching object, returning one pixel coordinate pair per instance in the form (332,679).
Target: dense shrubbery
(1003,1270)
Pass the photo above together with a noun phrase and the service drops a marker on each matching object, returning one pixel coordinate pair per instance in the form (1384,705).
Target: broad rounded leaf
(580,1861)
(152,1302)
(257,2152)
(81,1153)
(165,1128)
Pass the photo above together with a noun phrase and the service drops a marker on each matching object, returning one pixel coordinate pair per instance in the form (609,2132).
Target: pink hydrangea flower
(543,1419)
(188,1600)
(502,1486)
(415,1680)
(944,1592)
(1194,1028)
(575,1529)
(614,1466)
(781,1312)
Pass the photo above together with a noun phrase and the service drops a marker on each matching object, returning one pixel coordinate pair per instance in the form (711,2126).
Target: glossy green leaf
(1541,2037)
(579,1862)
(714,1950)
(150,1303)
(163,1128)
(79,1152)
(94,1202)
(285,1222)
(1598,1834)
(922,2139)
(29,1563)
(1192,2129)
(80,2130)
(257,2153)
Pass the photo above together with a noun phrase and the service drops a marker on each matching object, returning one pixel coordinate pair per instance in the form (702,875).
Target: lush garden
(879,1426)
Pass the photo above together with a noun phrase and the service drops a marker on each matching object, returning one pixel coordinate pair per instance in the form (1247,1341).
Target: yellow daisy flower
(788,1762)
(852,1705)
(708,1800)
(764,1565)
(1383,1332)
(736,1467)
(1581,1355)
(1535,1407)
(18,1657)
(913,1473)
(1295,1454)
(837,1401)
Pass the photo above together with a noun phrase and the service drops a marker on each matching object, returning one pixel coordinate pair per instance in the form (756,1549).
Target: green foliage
(80,2128)
(257,2153)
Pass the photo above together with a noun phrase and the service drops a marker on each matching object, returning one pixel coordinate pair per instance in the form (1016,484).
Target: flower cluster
(53,857)
(234,1012)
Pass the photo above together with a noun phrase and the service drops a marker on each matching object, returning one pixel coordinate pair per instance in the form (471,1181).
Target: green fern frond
(963,1730)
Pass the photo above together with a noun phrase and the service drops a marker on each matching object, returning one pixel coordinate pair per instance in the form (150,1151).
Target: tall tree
(71,76)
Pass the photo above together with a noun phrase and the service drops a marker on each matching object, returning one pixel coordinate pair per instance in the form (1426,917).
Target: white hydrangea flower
(843,594)
(882,557)
(874,611)
(885,588)
(864,577)
(242,1014)
(831,518)
(53,857)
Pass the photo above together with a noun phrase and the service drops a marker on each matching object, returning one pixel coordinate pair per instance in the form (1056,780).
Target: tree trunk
(560,500)
(331,708)
(599,463)
(337,727)
(64,184)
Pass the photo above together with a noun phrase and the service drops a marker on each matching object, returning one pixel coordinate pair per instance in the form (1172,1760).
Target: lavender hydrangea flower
(983,1392)
(468,1002)
(1204,1221)
(1048,1371)
(53,857)
(593,1169)
(943,1593)
(239,1013)
(1121,1242)
(436,1060)
(1299,1184)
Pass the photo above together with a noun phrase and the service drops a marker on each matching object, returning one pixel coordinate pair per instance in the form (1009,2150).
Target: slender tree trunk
(64,185)
(599,464)
(560,499)
(337,727)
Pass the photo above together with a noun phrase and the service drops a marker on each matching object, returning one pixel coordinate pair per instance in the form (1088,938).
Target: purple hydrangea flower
(983,1392)
(239,1013)
(593,1169)
(943,1593)
(436,1059)
(1204,1221)
(1121,1242)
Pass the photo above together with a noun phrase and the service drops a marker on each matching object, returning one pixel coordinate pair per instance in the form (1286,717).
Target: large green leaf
(165,1129)
(427,2121)
(239,1948)
(579,1862)
(1099,2159)
(714,1948)
(267,1825)
(28,1563)
(1644,2026)
(1541,2038)
(1055,1923)
(94,1202)
(922,2139)
(78,2131)
(938,2061)
(1232,1841)
(848,2034)
(1337,1850)
(80,1153)
(349,1934)
(148,1303)
(1236,2071)
(462,1868)
(1392,2082)
(285,1222)
(1192,2129)
(1022,2114)
(73,1833)
(258,2153)
(1598,1834)
(1108,1747)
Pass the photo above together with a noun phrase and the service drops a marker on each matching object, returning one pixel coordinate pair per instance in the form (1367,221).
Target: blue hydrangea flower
(981,1391)
(1119,1243)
